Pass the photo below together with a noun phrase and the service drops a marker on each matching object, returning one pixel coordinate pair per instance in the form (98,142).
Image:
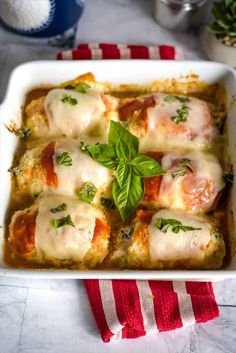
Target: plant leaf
(104,154)
(122,172)
(119,133)
(127,197)
(145,166)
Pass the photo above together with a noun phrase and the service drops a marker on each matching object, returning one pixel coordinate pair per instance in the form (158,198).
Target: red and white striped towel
(131,309)
(97,51)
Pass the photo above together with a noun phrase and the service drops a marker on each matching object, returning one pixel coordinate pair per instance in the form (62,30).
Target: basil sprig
(173,98)
(182,114)
(175,225)
(121,154)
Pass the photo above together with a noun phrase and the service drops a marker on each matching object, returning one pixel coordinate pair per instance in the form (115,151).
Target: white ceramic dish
(28,75)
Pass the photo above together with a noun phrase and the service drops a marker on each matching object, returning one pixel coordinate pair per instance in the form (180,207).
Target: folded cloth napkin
(131,309)
(96,51)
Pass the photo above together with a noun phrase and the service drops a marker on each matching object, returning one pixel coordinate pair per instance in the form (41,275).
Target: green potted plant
(219,38)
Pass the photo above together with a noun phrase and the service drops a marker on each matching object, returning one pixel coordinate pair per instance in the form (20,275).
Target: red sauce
(46,161)
(101,228)
(23,239)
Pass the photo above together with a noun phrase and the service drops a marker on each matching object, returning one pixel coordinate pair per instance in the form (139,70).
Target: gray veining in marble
(41,315)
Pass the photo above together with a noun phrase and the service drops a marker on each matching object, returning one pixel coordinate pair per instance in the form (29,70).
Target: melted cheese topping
(72,120)
(83,169)
(195,191)
(197,132)
(182,245)
(66,242)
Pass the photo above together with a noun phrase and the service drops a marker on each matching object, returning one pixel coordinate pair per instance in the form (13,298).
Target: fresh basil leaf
(122,172)
(15,170)
(81,87)
(144,166)
(57,223)
(123,150)
(177,173)
(175,225)
(88,192)
(104,154)
(23,133)
(173,98)
(108,203)
(118,133)
(65,159)
(69,100)
(62,207)
(127,197)
(182,115)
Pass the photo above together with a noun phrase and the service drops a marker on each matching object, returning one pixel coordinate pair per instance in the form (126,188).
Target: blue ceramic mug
(40,18)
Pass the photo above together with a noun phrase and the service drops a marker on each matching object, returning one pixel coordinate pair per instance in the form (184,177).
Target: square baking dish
(29,75)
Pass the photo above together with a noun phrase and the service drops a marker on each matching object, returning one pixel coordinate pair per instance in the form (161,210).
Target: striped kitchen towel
(131,309)
(96,51)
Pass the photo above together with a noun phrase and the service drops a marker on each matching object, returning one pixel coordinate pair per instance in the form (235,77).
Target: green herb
(180,172)
(70,100)
(186,163)
(88,192)
(229,177)
(127,233)
(57,223)
(173,98)
(15,170)
(23,133)
(82,146)
(81,87)
(62,207)
(108,203)
(164,224)
(182,115)
(121,155)
(216,233)
(65,159)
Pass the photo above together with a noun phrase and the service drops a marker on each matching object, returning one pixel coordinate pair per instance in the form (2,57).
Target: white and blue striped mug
(40,18)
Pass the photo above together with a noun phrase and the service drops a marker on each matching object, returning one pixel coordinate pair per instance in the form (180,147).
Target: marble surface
(39,315)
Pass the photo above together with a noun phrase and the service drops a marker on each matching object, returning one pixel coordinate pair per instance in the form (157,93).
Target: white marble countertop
(38,316)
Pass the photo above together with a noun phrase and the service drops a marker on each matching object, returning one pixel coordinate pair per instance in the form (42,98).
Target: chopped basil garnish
(180,172)
(70,100)
(65,159)
(81,87)
(15,170)
(23,133)
(186,163)
(164,224)
(82,146)
(229,177)
(88,192)
(121,155)
(64,221)
(62,207)
(173,98)
(108,203)
(216,233)
(182,115)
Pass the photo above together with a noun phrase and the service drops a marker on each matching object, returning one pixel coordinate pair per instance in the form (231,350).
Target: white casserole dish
(29,75)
